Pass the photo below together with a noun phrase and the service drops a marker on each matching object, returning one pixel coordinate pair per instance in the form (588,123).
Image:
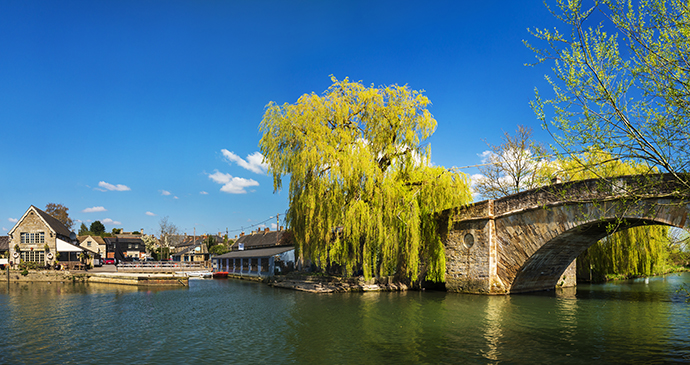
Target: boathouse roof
(262,238)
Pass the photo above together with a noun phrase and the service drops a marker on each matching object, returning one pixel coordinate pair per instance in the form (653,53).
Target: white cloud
(94,210)
(274,226)
(110,221)
(13,220)
(486,156)
(232,185)
(111,187)
(253,163)
(175,197)
(4,229)
(151,214)
(164,192)
(203,193)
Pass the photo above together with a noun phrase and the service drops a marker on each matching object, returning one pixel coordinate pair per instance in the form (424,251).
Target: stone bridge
(525,242)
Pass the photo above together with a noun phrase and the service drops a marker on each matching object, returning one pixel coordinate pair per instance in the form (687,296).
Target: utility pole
(277,221)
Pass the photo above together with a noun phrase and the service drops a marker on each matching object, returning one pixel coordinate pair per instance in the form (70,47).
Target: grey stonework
(529,241)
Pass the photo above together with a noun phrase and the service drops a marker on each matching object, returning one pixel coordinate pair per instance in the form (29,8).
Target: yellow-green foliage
(637,251)
(594,164)
(362,189)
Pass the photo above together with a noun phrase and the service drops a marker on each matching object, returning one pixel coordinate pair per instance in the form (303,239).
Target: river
(229,321)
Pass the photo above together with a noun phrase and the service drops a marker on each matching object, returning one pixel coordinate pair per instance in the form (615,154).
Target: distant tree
(83,230)
(210,241)
(97,228)
(59,212)
(218,249)
(513,166)
(167,230)
(117,230)
(150,242)
(136,232)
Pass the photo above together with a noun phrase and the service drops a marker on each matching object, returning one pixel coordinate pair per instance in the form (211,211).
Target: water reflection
(221,321)
(493,332)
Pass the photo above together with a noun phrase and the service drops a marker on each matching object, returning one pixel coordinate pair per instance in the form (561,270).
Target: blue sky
(130,111)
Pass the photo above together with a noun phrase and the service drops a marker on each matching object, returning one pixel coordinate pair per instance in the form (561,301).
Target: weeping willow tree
(637,251)
(362,189)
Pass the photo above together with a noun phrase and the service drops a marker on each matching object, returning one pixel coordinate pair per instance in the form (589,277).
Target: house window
(33,256)
(129,246)
(32,237)
(88,244)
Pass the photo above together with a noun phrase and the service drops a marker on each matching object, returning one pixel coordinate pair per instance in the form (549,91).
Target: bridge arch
(525,242)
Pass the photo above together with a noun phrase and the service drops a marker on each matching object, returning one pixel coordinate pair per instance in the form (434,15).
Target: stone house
(38,237)
(195,253)
(94,244)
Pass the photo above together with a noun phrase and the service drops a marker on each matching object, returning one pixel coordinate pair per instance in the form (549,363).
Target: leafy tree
(515,165)
(60,212)
(362,189)
(97,228)
(218,249)
(632,103)
(117,230)
(83,230)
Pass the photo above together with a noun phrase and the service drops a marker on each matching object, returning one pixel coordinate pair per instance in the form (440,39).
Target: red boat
(220,275)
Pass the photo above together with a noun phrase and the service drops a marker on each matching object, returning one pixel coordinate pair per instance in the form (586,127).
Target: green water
(227,321)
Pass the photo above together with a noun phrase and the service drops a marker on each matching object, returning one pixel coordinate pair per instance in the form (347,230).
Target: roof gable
(98,239)
(53,224)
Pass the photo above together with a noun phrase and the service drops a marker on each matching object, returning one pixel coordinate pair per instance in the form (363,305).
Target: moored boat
(220,275)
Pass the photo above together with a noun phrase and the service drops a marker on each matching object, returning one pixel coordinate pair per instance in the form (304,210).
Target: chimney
(281,228)
(241,234)
(220,235)
(267,229)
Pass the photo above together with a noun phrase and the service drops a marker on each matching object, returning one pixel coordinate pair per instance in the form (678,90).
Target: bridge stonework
(529,241)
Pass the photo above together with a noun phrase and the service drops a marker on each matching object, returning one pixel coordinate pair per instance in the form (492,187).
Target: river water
(228,321)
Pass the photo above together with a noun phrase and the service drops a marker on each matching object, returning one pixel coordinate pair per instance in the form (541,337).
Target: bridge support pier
(473,257)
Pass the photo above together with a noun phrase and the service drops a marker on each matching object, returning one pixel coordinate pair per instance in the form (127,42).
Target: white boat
(196,274)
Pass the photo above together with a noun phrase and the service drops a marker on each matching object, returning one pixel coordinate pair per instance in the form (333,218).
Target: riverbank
(330,284)
(617,277)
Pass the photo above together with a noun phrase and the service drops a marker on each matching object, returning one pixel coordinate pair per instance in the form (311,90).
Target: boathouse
(261,253)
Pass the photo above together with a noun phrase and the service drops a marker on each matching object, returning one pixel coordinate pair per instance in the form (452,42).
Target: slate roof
(188,241)
(54,224)
(261,252)
(4,243)
(260,239)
